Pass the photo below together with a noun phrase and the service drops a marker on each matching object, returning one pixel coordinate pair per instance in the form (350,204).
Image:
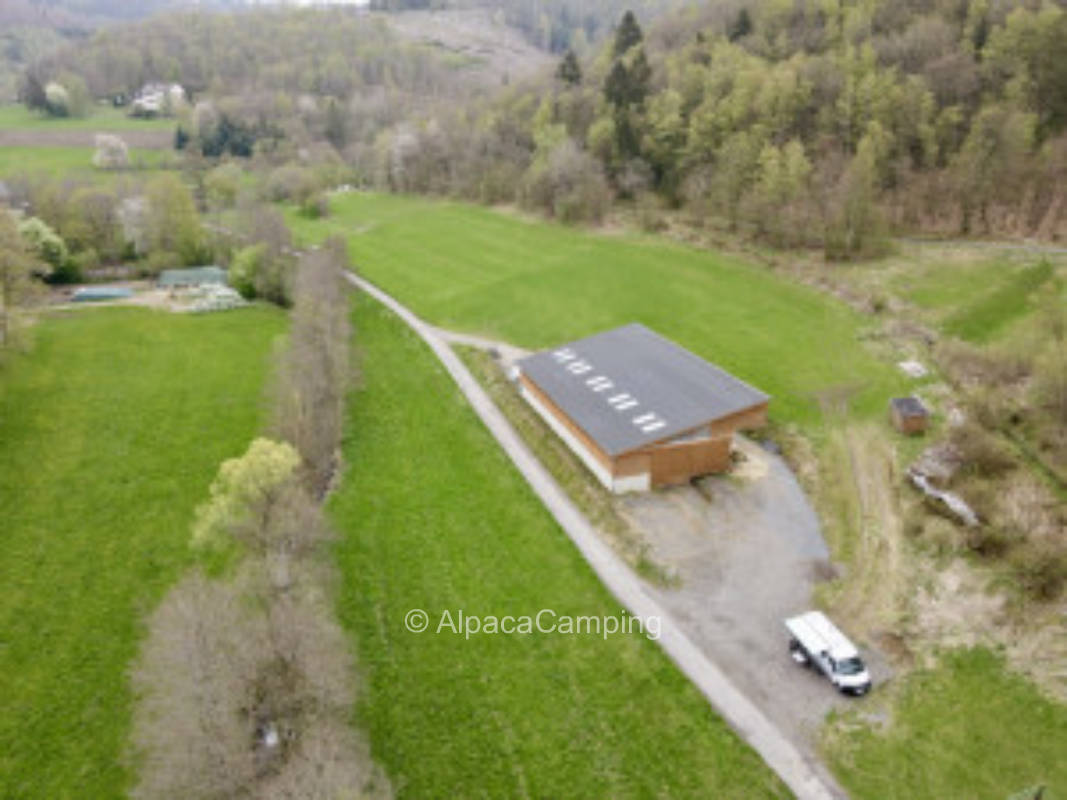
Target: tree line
(245,682)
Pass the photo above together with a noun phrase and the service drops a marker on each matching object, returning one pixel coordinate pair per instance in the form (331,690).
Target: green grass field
(978,300)
(72,162)
(967,730)
(432,516)
(988,315)
(102,119)
(111,430)
(538,284)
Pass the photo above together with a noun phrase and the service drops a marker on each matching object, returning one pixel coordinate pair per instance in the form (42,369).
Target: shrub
(315,206)
(57,100)
(981,452)
(159,260)
(1050,387)
(992,541)
(650,213)
(221,185)
(256,272)
(290,182)
(111,152)
(244,268)
(1041,570)
(172,223)
(44,242)
(86,260)
(569,184)
(983,365)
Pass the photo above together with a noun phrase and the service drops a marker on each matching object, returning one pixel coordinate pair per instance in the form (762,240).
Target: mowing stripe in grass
(536,284)
(433,516)
(111,430)
(983,319)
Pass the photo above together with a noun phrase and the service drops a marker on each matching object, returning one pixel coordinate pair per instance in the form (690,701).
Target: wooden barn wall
(755,417)
(681,462)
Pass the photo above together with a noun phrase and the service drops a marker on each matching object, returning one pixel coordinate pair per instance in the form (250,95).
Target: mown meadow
(71,163)
(111,429)
(101,119)
(537,284)
(432,516)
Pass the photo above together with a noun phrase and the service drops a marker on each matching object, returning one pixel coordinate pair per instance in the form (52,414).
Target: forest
(802,126)
(822,125)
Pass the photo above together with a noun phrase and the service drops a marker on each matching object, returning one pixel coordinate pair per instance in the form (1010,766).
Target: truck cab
(815,641)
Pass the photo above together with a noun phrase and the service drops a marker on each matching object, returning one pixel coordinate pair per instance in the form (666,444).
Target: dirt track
(143,140)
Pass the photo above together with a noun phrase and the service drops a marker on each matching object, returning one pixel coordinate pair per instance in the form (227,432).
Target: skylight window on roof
(644,419)
(599,383)
(653,426)
(580,367)
(564,355)
(625,405)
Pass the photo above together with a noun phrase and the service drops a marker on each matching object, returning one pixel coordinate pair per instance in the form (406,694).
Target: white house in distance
(157,100)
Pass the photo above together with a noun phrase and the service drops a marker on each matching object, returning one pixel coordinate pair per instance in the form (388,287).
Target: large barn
(639,410)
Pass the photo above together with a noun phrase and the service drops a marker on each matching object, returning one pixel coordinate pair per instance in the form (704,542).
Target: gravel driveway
(748,550)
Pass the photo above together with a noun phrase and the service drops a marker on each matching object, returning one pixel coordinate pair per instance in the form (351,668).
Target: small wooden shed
(908,414)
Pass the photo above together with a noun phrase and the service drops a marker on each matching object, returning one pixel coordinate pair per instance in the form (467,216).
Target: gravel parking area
(747,551)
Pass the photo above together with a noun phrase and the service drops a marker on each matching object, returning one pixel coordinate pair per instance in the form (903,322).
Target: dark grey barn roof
(630,387)
(909,406)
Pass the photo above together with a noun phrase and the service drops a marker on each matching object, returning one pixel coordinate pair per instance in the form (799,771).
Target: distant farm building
(99,294)
(192,278)
(908,414)
(639,410)
(157,99)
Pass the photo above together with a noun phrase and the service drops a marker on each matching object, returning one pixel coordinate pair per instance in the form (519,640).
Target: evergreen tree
(616,86)
(569,71)
(336,127)
(741,26)
(628,34)
(628,84)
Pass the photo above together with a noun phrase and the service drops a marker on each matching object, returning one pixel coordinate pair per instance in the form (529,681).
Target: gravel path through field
(796,770)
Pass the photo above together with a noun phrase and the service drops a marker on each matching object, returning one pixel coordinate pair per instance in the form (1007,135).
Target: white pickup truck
(816,642)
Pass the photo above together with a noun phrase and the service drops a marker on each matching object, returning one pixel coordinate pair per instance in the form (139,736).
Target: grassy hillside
(538,284)
(111,430)
(432,516)
(967,729)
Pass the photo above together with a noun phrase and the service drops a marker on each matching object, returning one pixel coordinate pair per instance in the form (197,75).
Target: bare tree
(237,698)
(315,371)
(17,267)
